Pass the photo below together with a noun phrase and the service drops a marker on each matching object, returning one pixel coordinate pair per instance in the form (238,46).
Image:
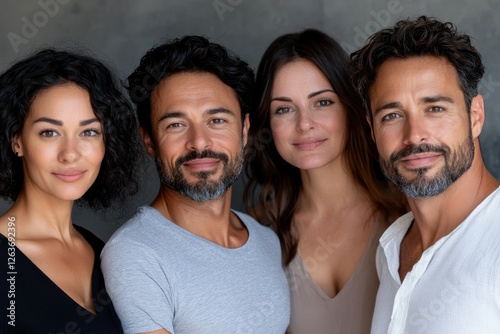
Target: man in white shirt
(439,265)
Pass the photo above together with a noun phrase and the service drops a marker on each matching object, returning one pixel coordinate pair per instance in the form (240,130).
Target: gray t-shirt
(159,275)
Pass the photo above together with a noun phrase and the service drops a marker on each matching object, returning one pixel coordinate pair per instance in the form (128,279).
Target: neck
(331,189)
(39,216)
(212,220)
(437,216)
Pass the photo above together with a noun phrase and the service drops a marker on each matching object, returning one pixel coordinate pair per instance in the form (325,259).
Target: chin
(71,194)
(309,164)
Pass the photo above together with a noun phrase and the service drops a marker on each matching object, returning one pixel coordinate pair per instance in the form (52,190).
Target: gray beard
(203,190)
(456,164)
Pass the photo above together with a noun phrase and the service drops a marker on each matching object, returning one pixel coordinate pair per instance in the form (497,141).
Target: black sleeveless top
(34,304)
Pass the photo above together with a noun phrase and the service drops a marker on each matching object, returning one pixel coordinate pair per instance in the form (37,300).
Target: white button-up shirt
(455,286)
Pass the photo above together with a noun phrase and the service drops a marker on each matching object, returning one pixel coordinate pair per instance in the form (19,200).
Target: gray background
(120,32)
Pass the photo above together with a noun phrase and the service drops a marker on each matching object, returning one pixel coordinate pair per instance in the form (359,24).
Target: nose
(304,120)
(198,138)
(69,151)
(416,130)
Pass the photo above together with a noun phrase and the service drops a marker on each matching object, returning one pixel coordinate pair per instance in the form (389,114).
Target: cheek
(386,144)
(95,152)
(281,134)
(39,154)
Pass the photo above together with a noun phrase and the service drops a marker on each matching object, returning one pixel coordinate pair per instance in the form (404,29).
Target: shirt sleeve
(138,287)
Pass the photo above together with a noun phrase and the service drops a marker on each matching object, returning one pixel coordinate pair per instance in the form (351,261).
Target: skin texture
(61,160)
(308,123)
(62,147)
(418,101)
(307,118)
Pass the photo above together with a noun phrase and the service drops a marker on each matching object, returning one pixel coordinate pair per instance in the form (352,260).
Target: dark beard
(203,190)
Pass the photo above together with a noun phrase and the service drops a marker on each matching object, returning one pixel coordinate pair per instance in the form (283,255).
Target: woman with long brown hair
(313,169)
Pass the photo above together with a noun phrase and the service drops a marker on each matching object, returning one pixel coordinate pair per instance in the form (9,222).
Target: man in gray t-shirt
(187,263)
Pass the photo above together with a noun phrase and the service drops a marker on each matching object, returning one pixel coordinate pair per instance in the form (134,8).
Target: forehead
(60,101)
(193,91)
(301,74)
(415,75)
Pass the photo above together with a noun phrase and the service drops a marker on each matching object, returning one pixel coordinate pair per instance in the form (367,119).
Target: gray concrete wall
(121,31)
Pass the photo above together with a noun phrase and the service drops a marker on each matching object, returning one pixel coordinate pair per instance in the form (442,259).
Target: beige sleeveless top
(349,312)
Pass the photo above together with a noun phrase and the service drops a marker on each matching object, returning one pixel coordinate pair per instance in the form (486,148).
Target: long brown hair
(278,181)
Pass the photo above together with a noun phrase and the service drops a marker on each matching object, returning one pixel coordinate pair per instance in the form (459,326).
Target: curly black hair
(424,36)
(189,54)
(21,84)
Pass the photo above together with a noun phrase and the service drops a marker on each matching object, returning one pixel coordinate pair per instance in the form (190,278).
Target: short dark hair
(424,36)
(189,54)
(21,84)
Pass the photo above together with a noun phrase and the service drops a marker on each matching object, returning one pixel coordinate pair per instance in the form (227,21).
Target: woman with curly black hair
(67,134)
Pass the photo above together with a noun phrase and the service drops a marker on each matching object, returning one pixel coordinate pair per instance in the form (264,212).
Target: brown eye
(282,110)
(390,116)
(48,133)
(436,109)
(325,103)
(91,133)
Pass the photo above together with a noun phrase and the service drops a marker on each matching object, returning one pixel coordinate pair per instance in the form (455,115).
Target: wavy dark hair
(21,84)
(189,54)
(278,181)
(424,36)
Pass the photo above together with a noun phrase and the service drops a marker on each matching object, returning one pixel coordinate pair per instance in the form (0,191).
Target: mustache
(413,149)
(201,155)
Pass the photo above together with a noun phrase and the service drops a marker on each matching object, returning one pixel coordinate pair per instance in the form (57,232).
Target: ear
(369,120)
(17,145)
(146,139)
(246,126)
(477,115)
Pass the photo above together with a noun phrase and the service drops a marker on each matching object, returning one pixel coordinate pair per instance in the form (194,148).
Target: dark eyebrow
(313,94)
(179,114)
(438,98)
(60,123)
(48,120)
(219,110)
(174,114)
(427,99)
(89,121)
(280,98)
(390,105)
(319,92)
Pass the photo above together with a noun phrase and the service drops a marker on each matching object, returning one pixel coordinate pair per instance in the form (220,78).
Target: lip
(420,160)
(201,164)
(308,144)
(69,175)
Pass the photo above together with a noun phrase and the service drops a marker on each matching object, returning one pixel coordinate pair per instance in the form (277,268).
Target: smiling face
(424,134)
(61,143)
(308,120)
(198,136)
